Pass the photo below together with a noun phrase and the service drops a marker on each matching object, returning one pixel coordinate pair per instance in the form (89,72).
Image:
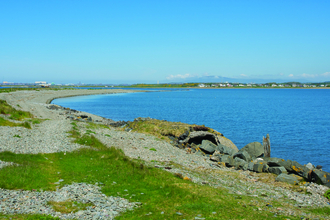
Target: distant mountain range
(218,79)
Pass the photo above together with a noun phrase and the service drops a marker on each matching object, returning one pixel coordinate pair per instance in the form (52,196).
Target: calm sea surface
(297,120)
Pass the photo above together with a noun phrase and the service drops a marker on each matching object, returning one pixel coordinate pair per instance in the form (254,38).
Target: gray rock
(240,163)
(243,155)
(228,160)
(200,153)
(215,158)
(287,179)
(197,137)
(276,162)
(260,167)
(254,149)
(297,168)
(277,170)
(321,177)
(319,167)
(250,166)
(208,147)
(225,150)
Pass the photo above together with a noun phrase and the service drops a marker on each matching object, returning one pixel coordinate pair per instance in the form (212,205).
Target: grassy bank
(14,114)
(162,194)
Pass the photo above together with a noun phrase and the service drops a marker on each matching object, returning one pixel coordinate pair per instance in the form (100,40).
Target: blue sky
(166,41)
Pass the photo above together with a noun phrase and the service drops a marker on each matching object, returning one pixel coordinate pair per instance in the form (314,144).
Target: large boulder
(277,170)
(299,169)
(240,163)
(254,149)
(243,155)
(287,179)
(321,177)
(225,150)
(208,147)
(250,166)
(290,166)
(276,162)
(228,160)
(197,137)
(228,143)
(216,138)
(260,167)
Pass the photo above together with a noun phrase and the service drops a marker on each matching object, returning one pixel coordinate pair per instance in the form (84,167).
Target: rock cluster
(72,114)
(251,157)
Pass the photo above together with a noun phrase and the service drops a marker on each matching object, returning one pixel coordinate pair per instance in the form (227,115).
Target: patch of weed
(36,120)
(16,135)
(92,125)
(107,135)
(90,140)
(327,194)
(90,132)
(4,122)
(153,149)
(15,114)
(68,206)
(26,125)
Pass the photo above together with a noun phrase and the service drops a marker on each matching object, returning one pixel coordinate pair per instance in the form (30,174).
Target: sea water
(297,120)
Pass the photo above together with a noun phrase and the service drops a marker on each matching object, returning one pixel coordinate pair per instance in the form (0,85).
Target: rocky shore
(204,157)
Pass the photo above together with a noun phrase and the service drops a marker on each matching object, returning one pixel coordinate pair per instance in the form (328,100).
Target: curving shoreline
(31,100)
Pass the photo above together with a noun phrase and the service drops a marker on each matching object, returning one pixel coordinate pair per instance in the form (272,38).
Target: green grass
(159,128)
(36,120)
(91,125)
(327,194)
(14,113)
(90,132)
(4,122)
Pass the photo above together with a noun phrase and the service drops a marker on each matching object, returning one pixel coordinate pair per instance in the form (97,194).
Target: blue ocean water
(297,120)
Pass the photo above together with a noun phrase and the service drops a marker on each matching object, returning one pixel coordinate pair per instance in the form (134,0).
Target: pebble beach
(51,136)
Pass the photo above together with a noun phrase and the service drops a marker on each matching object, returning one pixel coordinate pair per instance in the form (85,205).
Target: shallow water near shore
(297,120)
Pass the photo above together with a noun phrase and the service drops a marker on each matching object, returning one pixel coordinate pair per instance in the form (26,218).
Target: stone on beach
(254,149)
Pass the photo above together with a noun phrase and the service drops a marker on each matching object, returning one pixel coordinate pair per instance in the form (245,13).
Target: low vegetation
(159,128)
(15,114)
(165,130)
(4,122)
(69,206)
(327,194)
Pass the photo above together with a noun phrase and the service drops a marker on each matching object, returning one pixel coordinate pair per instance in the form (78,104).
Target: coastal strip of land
(56,133)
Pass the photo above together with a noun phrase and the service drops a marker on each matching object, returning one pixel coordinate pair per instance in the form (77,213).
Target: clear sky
(148,41)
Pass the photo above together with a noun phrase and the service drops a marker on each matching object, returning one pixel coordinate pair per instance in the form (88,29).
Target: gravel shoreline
(51,136)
